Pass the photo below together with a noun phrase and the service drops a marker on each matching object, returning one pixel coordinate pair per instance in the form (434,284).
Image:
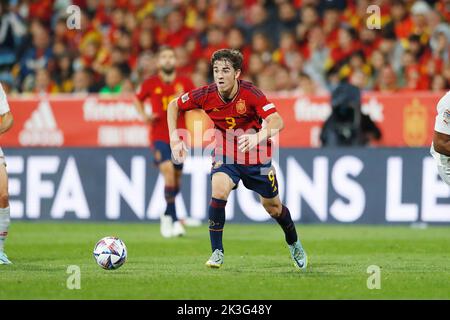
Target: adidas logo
(41,129)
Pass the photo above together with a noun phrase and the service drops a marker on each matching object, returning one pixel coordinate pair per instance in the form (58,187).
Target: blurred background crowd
(290,47)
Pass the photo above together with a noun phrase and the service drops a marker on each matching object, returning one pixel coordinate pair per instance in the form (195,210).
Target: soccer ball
(110,253)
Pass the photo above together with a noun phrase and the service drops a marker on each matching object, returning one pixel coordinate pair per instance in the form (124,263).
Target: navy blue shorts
(162,152)
(260,178)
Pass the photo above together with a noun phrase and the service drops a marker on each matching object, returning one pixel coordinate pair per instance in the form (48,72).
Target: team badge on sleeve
(446,116)
(185,97)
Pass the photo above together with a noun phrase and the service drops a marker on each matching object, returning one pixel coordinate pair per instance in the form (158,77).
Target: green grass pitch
(415,263)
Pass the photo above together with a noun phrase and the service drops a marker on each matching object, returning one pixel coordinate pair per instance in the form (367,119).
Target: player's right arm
(140,107)
(141,95)
(5,114)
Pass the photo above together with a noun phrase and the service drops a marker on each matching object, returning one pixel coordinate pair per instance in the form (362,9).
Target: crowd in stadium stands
(291,47)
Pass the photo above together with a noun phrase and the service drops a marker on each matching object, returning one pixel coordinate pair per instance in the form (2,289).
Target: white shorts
(443,165)
(444,172)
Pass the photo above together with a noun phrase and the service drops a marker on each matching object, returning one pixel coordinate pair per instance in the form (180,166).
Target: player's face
(167,61)
(225,75)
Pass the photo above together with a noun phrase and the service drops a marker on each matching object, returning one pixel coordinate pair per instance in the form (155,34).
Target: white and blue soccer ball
(110,253)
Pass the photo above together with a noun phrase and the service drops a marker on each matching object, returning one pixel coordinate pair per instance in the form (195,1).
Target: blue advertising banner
(348,185)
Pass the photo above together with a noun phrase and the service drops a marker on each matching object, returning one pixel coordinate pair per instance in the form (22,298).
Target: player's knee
(170,182)
(274,209)
(220,193)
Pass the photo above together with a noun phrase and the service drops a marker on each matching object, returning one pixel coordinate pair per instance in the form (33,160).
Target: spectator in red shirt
(287,17)
(262,46)
(236,40)
(41,10)
(216,40)
(439,83)
(103,13)
(43,83)
(255,67)
(347,44)
(369,40)
(387,80)
(309,19)
(177,33)
(287,50)
(401,23)
(261,23)
(330,26)
(146,42)
(82,81)
(185,65)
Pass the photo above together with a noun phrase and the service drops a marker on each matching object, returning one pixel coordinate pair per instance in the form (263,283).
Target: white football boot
(299,255)
(178,229)
(216,259)
(4,259)
(192,222)
(166,227)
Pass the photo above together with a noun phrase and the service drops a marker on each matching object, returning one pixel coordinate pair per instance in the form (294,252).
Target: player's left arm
(441,143)
(274,124)
(265,110)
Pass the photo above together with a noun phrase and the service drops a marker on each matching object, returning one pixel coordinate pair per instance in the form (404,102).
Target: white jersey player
(6,122)
(440,148)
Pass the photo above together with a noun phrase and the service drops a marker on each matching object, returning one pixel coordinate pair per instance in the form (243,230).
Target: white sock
(4,225)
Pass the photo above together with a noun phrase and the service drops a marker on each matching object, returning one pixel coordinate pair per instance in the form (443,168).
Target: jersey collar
(234,98)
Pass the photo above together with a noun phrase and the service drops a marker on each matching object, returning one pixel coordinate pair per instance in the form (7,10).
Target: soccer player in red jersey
(161,89)
(242,150)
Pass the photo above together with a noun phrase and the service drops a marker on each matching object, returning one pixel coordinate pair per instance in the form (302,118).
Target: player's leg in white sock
(4,205)
(4,226)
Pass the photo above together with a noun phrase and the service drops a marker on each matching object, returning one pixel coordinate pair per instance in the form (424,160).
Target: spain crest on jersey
(240,106)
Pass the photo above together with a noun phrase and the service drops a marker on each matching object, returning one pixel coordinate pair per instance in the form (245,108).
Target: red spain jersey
(160,94)
(243,114)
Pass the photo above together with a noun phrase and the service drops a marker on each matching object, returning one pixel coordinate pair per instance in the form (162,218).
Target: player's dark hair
(232,55)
